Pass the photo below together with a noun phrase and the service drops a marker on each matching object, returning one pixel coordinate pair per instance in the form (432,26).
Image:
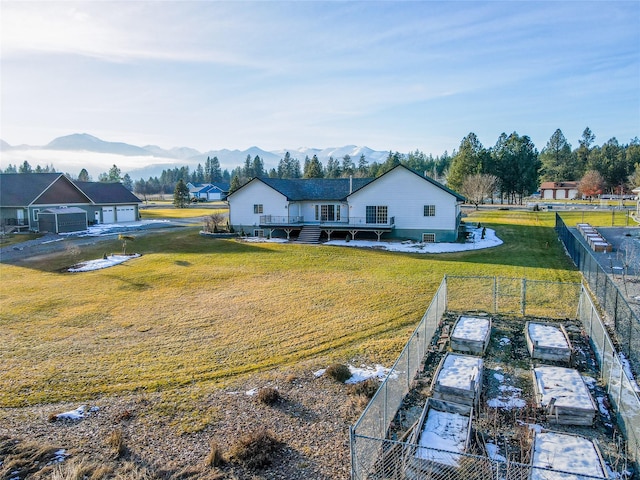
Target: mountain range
(148,161)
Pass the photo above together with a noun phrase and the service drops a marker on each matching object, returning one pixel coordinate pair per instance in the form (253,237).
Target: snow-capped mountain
(71,153)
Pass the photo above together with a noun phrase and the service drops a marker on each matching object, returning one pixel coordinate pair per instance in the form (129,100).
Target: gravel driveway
(51,243)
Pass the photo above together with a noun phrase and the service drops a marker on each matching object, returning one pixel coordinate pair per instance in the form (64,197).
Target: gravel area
(310,420)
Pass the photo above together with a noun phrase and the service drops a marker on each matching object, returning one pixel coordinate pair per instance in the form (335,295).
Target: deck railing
(360,222)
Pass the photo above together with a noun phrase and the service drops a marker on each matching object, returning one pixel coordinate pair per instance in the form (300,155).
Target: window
(428,238)
(257,208)
(258,233)
(35,214)
(327,213)
(429,210)
(376,214)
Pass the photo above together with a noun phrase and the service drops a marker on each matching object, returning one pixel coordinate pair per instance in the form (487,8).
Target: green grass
(189,212)
(205,312)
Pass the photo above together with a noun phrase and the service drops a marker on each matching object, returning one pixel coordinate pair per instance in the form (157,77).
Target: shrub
(215,457)
(255,450)
(268,395)
(368,388)
(339,372)
(115,441)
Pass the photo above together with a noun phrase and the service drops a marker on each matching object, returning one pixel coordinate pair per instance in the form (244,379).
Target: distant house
(400,203)
(559,190)
(24,196)
(208,191)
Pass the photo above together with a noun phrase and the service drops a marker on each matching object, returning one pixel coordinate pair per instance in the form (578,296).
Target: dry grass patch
(255,450)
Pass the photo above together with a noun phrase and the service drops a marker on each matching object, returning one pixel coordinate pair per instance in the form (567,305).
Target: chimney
(350,184)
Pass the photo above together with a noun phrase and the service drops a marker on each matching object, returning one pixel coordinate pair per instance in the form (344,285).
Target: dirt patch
(310,422)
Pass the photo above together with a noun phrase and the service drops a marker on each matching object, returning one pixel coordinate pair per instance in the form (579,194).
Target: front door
(20,216)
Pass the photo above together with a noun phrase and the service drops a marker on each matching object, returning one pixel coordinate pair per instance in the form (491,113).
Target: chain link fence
(623,391)
(376,456)
(618,313)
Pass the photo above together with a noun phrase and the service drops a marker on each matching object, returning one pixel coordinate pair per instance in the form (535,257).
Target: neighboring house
(400,203)
(208,191)
(23,196)
(559,190)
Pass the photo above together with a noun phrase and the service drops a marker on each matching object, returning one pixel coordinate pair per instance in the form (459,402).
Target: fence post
(409,366)
(352,449)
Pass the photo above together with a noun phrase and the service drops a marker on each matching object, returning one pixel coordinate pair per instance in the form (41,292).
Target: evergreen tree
(313,168)
(215,173)
(235,184)
(25,168)
(199,174)
(247,171)
(348,167)
(363,166)
(610,160)
(113,176)
(127,182)
(584,150)
(333,168)
(393,160)
(557,160)
(257,167)
(84,176)
(181,195)
(11,169)
(517,163)
(470,160)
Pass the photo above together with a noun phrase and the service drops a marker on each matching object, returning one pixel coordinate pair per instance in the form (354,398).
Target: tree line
(509,171)
(513,168)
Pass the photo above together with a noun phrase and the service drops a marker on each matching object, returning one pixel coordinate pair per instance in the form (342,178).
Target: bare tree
(479,186)
(212,221)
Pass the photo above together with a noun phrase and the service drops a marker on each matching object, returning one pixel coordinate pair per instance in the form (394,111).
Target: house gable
(416,203)
(61,192)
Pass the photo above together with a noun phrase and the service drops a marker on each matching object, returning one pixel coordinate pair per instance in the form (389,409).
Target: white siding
(405,194)
(256,192)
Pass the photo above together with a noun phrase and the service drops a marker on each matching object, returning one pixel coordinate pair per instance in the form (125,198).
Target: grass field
(204,311)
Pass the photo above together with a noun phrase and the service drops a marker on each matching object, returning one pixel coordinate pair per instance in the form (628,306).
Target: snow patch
(108,261)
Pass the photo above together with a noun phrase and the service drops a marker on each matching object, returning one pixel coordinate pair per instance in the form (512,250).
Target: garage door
(126,214)
(108,215)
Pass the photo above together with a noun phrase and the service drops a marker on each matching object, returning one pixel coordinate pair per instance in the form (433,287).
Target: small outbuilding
(62,220)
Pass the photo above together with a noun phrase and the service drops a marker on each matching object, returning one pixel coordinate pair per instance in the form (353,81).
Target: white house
(400,203)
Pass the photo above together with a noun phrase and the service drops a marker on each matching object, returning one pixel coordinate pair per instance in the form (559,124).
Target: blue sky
(387,75)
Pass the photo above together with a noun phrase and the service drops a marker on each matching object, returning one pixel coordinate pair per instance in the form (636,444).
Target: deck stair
(309,234)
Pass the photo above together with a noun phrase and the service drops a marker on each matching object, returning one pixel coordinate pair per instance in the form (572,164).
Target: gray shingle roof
(100,192)
(301,189)
(20,189)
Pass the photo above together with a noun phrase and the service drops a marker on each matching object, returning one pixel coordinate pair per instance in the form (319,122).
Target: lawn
(195,310)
